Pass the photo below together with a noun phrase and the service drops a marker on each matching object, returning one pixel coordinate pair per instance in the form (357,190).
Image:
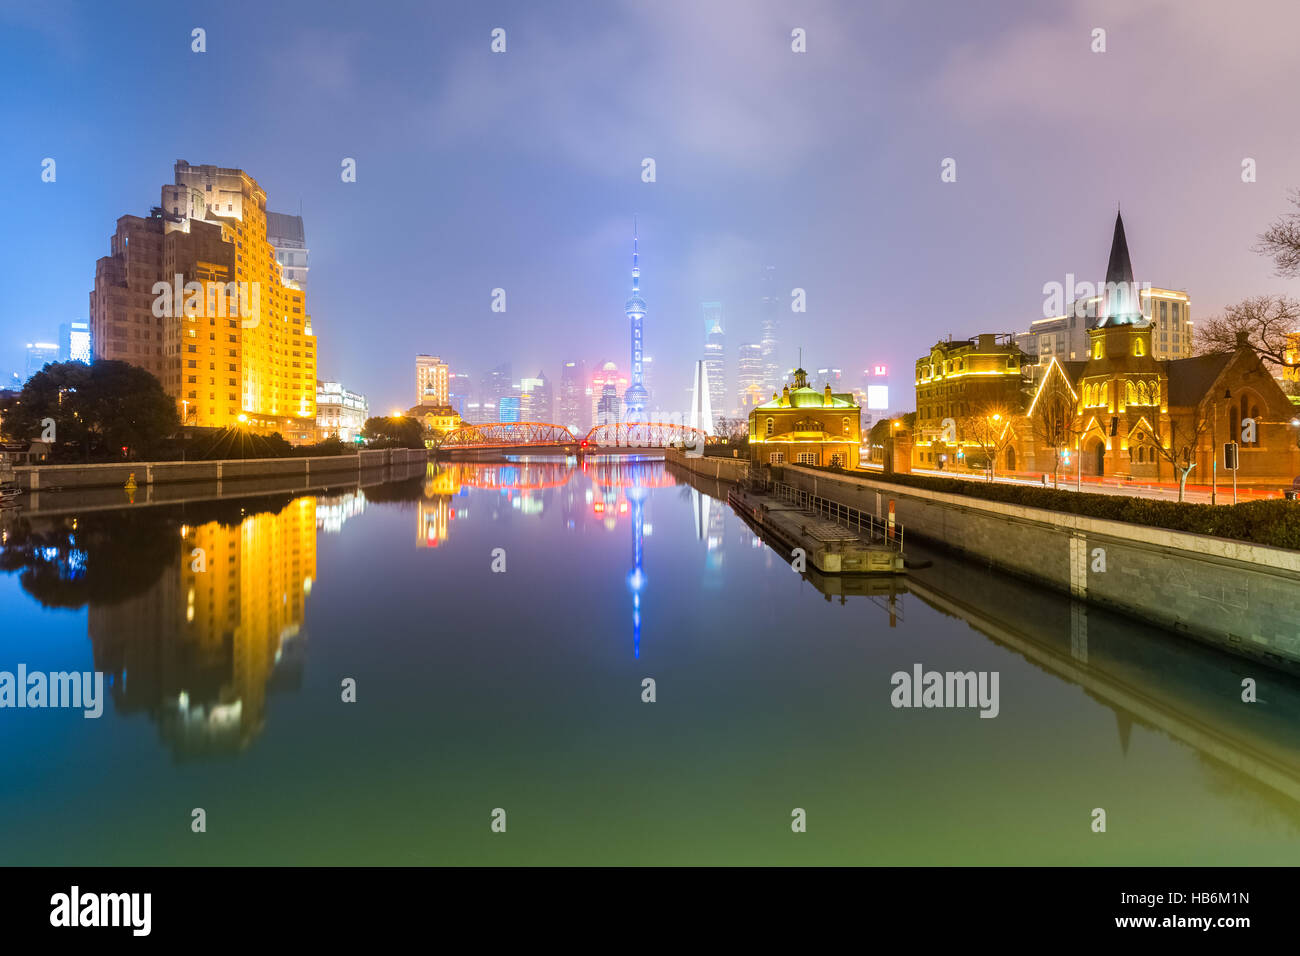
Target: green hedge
(1274,522)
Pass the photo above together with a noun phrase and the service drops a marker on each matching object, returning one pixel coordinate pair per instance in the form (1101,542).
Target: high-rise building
(574,403)
(508,409)
(430,380)
(339,411)
(39,354)
(74,342)
(287,238)
(607,387)
(495,386)
(749,377)
(195,295)
(715,357)
(459,391)
(769,310)
(535,399)
(636,397)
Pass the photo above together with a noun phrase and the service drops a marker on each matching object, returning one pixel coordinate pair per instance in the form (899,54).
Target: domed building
(805,426)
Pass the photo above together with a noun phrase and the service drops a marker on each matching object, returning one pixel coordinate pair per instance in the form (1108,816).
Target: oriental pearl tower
(636,397)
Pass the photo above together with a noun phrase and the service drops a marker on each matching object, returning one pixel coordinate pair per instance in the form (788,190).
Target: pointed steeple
(1121,303)
(1119,269)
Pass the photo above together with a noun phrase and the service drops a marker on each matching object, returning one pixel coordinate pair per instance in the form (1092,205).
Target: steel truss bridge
(504,436)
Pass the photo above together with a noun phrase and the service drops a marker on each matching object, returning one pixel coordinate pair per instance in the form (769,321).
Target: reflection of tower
(636,577)
(701,404)
(636,397)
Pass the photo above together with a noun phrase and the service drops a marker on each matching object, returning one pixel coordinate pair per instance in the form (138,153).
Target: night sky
(522,170)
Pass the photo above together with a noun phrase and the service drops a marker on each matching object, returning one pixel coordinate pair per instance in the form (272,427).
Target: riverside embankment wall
(1244,598)
(723,469)
(115,475)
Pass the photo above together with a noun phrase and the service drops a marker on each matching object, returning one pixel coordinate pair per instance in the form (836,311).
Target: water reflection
(619,568)
(194,614)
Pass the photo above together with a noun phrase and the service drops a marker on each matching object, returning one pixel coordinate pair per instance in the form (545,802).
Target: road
(1111,486)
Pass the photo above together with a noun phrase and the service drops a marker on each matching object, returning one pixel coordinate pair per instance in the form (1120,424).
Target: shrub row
(1274,522)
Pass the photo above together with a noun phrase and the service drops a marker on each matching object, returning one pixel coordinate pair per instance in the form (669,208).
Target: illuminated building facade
(805,426)
(441,418)
(340,412)
(74,342)
(963,381)
(715,359)
(635,398)
(239,349)
(749,377)
(573,406)
(1132,406)
(607,385)
(769,306)
(430,380)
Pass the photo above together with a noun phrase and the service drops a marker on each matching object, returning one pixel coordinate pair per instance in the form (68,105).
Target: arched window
(846,426)
(1130,393)
(770,423)
(1142,394)
(1137,346)
(1096,349)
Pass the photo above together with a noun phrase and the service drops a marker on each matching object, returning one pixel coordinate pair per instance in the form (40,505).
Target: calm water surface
(522,691)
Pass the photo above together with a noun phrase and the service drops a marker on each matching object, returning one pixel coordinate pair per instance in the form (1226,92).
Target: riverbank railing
(873,529)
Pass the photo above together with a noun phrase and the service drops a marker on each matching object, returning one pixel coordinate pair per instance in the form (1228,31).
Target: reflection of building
(339,411)
(201,646)
(806,426)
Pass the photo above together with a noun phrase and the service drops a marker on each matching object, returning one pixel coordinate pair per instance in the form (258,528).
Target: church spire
(1120,298)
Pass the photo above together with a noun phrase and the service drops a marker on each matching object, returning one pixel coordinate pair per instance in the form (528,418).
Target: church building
(1133,413)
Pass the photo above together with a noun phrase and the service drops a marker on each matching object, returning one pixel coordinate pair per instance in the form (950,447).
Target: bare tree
(989,426)
(1055,421)
(1281,240)
(1180,450)
(1266,322)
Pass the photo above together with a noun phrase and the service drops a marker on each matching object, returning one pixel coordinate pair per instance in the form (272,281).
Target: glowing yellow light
(243,418)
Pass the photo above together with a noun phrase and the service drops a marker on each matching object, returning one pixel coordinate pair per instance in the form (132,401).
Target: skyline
(516,171)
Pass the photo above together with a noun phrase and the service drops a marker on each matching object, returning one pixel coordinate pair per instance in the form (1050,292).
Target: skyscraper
(74,342)
(39,354)
(715,357)
(769,310)
(636,396)
(573,405)
(606,387)
(234,343)
(430,380)
(749,377)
